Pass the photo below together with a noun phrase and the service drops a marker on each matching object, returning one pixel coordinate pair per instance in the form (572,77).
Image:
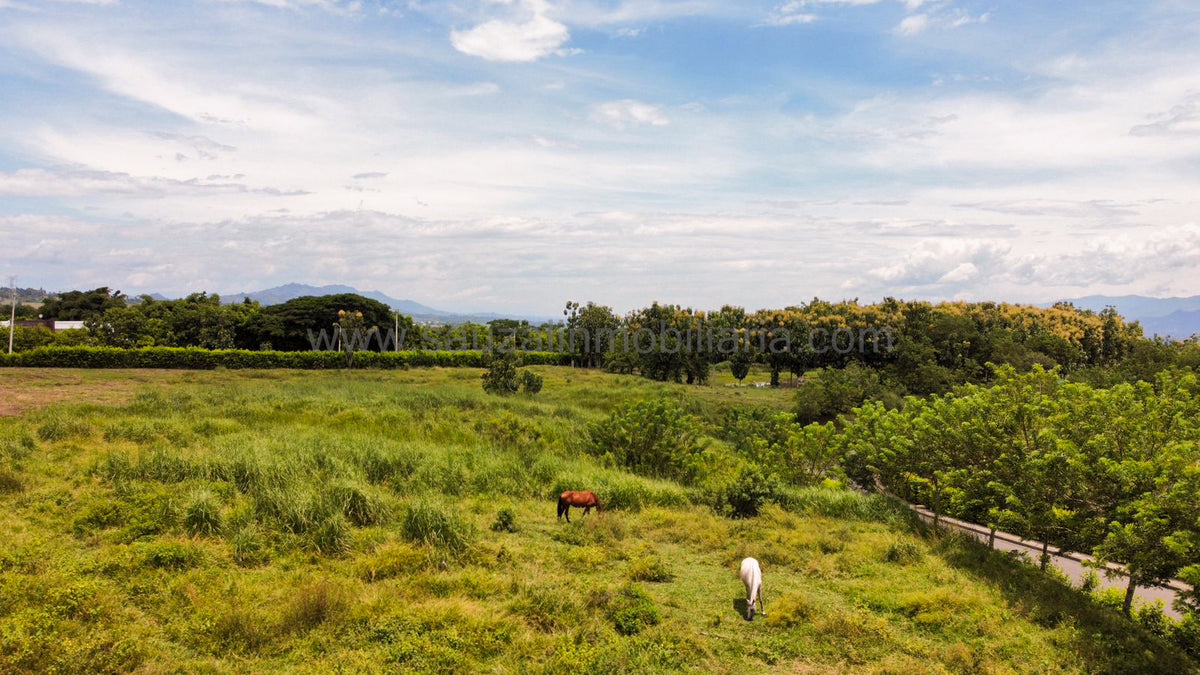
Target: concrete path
(1069,562)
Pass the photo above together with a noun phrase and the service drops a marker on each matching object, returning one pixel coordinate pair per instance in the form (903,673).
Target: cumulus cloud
(943,261)
(519,40)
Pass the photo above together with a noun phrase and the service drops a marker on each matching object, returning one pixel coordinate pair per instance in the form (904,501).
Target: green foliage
(313,605)
(742,493)
(629,608)
(825,394)
(362,506)
(248,545)
(202,515)
(903,552)
(169,555)
(191,358)
(9,481)
(650,567)
(425,523)
(856,583)
(331,536)
(58,426)
(81,305)
(501,376)
(506,521)
(531,382)
(654,438)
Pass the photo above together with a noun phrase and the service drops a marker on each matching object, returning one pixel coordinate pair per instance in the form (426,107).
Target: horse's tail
(562,505)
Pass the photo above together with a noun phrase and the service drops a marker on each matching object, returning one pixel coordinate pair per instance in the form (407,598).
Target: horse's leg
(587,510)
(567,512)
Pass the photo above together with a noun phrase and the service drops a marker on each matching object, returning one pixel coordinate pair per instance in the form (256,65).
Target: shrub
(150,514)
(98,515)
(1090,581)
(202,516)
(501,374)
(629,609)
(506,521)
(1186,634)
(424,523)
(1112,598)
(655,438)
(1152,617)
(743,494)
(531,382)
(649,567)
(830,392)
(625,494)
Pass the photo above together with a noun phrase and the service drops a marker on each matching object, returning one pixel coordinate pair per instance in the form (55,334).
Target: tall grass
(320,521)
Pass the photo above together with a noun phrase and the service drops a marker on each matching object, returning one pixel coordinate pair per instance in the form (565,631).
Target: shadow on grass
(739,606)
(1104,639)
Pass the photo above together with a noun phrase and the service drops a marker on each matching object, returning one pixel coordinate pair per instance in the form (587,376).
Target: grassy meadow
(405,521)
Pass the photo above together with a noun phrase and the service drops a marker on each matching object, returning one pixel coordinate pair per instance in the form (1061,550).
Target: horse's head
(750,612)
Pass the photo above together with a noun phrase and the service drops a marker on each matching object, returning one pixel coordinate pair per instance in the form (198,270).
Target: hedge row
(192,358)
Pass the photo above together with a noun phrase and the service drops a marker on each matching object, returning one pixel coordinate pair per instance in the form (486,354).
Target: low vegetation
(404,521)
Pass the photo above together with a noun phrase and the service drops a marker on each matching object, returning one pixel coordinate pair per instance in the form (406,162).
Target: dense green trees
(1114,472)
(81,305)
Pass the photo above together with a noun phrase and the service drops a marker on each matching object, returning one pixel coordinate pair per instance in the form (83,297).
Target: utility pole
(12,320)
(397,333)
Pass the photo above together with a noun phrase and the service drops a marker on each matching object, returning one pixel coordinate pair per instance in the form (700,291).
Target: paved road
(1069,562)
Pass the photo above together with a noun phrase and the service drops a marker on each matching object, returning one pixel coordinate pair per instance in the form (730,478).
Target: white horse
(752,577)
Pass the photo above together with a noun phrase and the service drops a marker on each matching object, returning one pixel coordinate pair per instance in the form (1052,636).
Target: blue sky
(509,155)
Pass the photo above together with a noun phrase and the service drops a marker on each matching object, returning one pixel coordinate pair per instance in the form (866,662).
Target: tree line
(849,351)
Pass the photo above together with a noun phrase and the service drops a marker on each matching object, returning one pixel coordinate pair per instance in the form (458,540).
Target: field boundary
(194,358)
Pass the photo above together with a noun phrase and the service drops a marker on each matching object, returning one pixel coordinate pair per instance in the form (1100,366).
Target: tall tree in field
(591,329)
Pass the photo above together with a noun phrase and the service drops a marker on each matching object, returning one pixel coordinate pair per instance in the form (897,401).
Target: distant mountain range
(1176,318)
(419,312)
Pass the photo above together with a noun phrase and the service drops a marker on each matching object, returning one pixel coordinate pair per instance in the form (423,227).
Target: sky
(510,155)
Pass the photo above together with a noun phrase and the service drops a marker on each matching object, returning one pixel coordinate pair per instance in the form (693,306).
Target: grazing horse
(584,500)
(752,577)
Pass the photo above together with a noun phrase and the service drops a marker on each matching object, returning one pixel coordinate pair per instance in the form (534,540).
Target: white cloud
(629,113)
(912,25)
(963,18)
(514,40)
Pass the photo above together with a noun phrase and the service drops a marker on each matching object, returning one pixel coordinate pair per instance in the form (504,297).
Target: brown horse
(584,500)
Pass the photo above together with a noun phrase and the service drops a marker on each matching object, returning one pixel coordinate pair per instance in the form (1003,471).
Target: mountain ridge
(419,311)
(1177,318)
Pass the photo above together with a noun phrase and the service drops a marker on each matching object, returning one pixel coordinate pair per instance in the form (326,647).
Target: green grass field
(405,521)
